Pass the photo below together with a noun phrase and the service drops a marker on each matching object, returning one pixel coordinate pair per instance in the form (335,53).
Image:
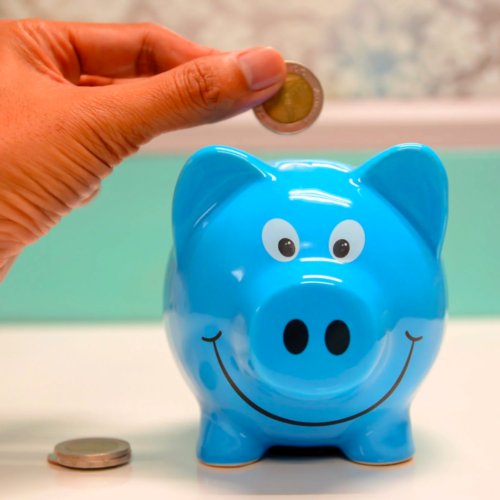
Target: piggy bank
(305,300)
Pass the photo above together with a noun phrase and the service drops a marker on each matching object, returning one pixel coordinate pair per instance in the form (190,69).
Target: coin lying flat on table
(296,106)
(91,453)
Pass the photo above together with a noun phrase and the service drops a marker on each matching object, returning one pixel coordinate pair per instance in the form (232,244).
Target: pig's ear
(413,179)
(208,179)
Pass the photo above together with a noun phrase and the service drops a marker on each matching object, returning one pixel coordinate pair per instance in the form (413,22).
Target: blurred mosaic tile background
(358,48)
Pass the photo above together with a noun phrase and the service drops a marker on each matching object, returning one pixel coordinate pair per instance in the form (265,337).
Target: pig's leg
(223,443)
(383,438)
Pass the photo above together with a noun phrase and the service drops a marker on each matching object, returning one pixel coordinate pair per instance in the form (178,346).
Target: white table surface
(66,381)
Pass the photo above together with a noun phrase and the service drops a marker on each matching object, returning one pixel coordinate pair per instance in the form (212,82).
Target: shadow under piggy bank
(316,471)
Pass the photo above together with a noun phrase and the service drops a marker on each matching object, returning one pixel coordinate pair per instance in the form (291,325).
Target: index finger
(114,50)
(130,50)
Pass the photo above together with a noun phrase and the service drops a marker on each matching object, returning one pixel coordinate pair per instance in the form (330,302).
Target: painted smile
(310,424)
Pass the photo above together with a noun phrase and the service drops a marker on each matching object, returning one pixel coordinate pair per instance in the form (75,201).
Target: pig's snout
(314,339)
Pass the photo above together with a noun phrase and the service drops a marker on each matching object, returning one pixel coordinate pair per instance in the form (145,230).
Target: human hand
(76,99)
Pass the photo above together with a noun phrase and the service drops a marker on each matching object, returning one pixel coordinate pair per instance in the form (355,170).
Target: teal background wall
(106,262)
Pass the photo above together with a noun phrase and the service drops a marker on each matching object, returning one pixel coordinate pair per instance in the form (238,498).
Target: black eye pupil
(341,248)
(295,336)
(286,247)
(337,337)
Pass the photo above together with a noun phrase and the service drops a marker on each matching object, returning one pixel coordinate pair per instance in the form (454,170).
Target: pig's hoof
(367,455)
(381,464)
(388,444)
(229,466)
(222,444)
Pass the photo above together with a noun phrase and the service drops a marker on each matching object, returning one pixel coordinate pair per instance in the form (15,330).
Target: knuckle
(146,62)
(149,26)
(203,85)
(28,25)
(152,28)
(15,29)
(26,32)
(20,25)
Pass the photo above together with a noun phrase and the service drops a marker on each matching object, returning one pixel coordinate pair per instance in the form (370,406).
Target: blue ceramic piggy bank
(305,300)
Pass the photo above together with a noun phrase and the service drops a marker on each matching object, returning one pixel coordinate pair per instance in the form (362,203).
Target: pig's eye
(280,240)
(347,241)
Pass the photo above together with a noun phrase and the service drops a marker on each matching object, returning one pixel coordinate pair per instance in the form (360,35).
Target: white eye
(280,240)
(347,241)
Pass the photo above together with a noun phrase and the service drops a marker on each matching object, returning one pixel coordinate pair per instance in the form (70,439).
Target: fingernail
(262,67)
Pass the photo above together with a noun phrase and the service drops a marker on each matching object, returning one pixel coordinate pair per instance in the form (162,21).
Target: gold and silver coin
(91,453)
(296,106)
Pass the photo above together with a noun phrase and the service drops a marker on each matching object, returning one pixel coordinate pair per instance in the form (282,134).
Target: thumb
(203,90)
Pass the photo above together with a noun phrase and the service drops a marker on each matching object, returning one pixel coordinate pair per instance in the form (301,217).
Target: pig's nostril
(337,337)
(295,336)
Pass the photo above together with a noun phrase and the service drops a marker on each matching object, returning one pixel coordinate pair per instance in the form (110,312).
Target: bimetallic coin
(91,453)
(296,106)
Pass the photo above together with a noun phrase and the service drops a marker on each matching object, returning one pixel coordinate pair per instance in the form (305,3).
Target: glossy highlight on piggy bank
(305,300)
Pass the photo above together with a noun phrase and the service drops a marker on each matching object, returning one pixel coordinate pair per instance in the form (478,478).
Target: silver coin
(92,450)
(82,463)
(296,106)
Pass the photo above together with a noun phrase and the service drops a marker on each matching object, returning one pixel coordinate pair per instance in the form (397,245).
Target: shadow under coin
(302,471)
